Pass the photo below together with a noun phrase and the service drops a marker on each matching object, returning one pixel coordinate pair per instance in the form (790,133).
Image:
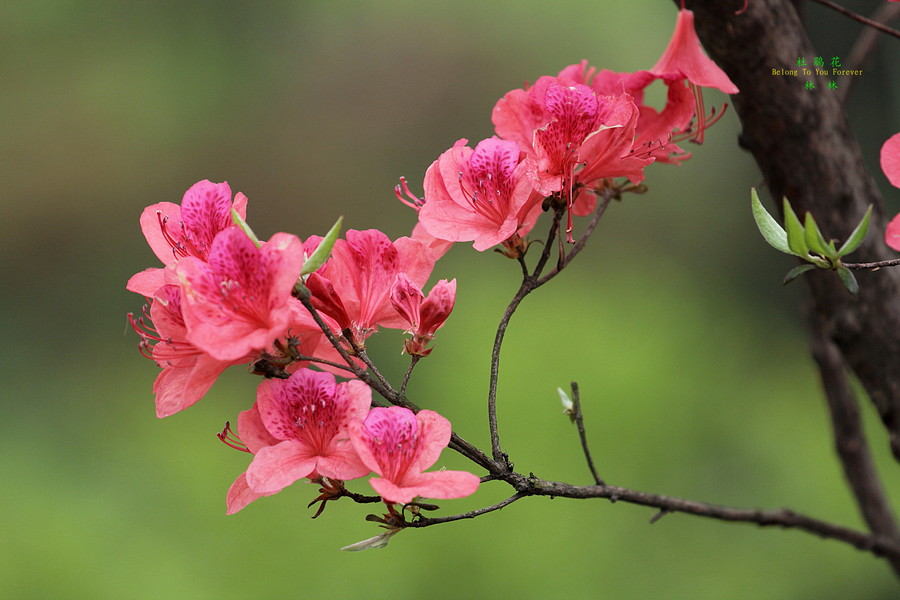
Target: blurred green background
(690,355)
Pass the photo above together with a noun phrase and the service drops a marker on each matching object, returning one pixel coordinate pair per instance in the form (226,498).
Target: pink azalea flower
(354,285)
(890,164)
(187,372)
(253,437)
(399,445)
(684,58)
(175,232)
(424,315)
(571,135)
(655,130)
(240,301)
(479,195)
(309,414)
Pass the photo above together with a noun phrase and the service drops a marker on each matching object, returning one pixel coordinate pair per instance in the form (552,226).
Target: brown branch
(529,284)
(579,422)
(427,521)
(784,518)
(864,46)
(871,266)
(858,17)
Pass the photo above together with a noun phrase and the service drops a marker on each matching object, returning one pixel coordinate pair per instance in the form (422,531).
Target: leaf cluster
(805,240)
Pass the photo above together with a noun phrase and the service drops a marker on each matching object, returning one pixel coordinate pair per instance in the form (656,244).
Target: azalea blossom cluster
(300,312)
(224,299)
(562,139)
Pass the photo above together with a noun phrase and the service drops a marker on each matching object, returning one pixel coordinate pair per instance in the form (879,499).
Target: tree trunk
(803,145)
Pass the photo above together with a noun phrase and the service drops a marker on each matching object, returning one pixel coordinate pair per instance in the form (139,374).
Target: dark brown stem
(859,17)
(864,46)
(871,266)
(579,422)
(582,241)
(784,518)
(426,521)
(412,364)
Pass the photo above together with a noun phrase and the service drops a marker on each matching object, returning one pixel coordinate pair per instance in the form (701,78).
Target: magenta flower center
(394,442)
(241,277)
(310,414)
(487,178)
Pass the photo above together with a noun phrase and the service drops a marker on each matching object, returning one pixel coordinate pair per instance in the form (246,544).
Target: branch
(871,266)
(864,46)
(579,422)
(860,18)
(427,521)
(529,284)
(784,518)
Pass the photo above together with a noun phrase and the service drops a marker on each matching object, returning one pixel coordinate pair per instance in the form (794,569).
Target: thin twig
(865,45)
(426,521)
(322,361)
(872,265)
(582,241)
(859,17)
(412,363)
(527,285)
(785,518)
(579,422)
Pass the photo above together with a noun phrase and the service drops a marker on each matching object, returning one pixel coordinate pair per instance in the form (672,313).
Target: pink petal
(434,435)
(406,299)
(276,467)
(240,495)
(252,431)
(147,281)
(437,484)
(684,58)
(892,233)
(153,219)
(437,307)
(181,386)
(342,462)
(890,159)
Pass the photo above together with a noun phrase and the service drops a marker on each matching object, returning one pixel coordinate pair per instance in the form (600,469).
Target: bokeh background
(690,354)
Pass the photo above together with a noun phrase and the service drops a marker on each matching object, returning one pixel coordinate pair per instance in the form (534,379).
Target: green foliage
(323,251)
(806,241)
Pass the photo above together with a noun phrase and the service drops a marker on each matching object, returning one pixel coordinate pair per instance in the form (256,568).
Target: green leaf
(848,280)
(324,250)
(859,234)
(814,238)
(797,272)
(796,237)
(769,227)
(240,222)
